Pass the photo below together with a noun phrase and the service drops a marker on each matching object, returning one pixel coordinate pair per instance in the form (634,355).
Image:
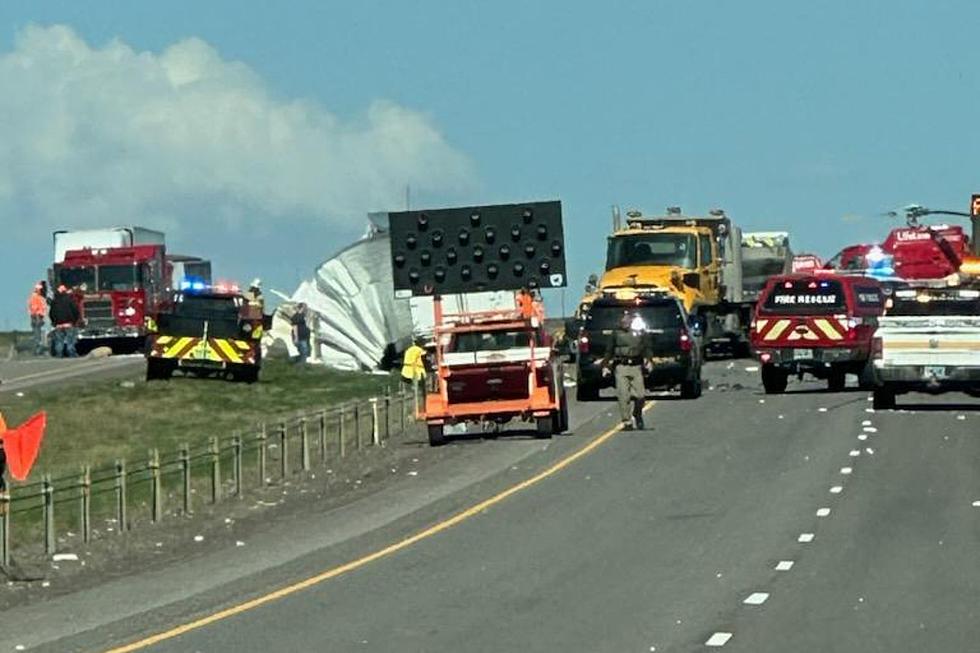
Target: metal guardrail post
(214,449)
(375,422)
(121,495)
(4,528)
(236,447)
(185,474)
(341,432)
(47,510)
(263,439)
(401,408)
(283,451)
(357,426)
(304,445)
(387,413)
(322,436)
(156,500)
(85,504)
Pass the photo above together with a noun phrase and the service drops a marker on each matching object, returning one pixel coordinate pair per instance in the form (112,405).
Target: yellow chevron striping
(228,350)
(827,329)
(760,325)
(777,329)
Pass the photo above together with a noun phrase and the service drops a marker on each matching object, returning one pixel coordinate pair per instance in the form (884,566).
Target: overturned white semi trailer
(357,322)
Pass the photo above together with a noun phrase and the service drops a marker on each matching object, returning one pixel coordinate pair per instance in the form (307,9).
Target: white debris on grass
(863,437)
(976,504)
(20,394)
(870,451)
(762,401)
(869,410)
(718,640)
(869,429)
(198,538)
(823,512)
(866,422)
(855,453)
(805,538)
(780,417)
(239,543)
(65,557)
(961,417)
(821,410)
(413,473)
(784,565)
(846,470)
(837,489)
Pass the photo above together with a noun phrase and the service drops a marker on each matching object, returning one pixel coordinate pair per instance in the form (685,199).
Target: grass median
(100,421)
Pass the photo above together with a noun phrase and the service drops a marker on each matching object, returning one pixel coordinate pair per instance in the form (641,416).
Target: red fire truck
(118,289)
(820,324)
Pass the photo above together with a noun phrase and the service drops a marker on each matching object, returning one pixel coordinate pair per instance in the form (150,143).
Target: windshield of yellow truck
(666,249)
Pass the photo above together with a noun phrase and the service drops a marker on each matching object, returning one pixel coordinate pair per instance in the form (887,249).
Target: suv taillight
(877,349)
(583,344)
(686,343)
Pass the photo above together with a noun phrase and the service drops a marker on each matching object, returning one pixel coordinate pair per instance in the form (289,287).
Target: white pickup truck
(927,341)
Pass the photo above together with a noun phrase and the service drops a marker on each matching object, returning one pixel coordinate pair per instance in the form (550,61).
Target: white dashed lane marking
(786,565)
(756,598)
(846,470)
(718,640)
(855,453)
(976,504)
(805,538)
(823,512)
(837,489)
(866,422)
(870,429)
(862,437)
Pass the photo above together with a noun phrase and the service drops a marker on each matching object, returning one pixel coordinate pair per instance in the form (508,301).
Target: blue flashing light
(193,284)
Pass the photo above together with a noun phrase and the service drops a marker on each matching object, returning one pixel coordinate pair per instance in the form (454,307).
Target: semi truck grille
(98,312)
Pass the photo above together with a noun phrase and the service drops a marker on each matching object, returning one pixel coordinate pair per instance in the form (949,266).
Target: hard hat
(62,288)
(256,283)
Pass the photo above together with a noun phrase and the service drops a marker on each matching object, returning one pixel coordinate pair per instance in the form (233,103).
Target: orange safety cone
(22,444)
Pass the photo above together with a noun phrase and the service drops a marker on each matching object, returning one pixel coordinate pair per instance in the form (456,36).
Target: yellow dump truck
(700,260)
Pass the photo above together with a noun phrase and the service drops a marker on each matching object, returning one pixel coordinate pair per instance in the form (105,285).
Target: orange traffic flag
(22,444)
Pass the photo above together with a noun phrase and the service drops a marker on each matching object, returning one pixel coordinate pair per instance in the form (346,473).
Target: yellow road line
(455,520)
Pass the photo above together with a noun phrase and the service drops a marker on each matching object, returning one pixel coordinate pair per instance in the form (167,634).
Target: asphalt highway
(30,372)
(740,522)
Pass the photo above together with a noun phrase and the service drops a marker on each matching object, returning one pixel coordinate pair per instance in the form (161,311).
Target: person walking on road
(65,317)
(301,333)
(37,308)
(630,391)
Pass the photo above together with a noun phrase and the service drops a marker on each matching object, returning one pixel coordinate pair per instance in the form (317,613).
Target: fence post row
(215,451)
(322,436)
(121,494)
(4,528)
(185,474)
(236,446)
(304,443)
(263,438)
(341,432)
(85,504)
(375,428)
(156,501)
(283,451)
(47,510)
(357,426)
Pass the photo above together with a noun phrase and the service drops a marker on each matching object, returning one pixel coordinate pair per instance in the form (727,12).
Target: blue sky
(810,117)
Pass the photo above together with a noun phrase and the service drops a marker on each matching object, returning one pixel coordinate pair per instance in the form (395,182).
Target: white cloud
(96,135)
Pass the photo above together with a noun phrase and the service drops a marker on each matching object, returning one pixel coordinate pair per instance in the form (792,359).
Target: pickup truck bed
(926,354)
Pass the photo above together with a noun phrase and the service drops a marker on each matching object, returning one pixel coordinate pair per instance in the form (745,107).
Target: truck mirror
(692,280)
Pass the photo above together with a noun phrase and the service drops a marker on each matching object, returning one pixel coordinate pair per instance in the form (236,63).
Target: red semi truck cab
(820,324)
(118,289)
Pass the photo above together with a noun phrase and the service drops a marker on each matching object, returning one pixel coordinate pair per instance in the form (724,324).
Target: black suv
(656,329)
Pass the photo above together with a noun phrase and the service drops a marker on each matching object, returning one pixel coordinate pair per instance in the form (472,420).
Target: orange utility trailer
(492,368)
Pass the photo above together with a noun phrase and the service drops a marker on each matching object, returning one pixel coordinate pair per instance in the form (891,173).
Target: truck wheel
(158,370)
(586,391)
(866,379)
(774,380)
(884,399)
(545,428)
(837,380)
(437,435)
(691,389)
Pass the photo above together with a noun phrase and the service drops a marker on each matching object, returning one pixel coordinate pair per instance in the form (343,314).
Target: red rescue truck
(820,324)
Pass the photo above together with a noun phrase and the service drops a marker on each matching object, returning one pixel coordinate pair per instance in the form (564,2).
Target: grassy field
(95,423)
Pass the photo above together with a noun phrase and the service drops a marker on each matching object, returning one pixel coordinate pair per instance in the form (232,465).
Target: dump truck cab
(680,254)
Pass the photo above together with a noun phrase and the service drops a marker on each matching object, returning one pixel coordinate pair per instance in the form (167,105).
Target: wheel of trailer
(250,375)
(774,380)
(883,399)
(691,389)
(545,427)
(586,392)
(837,380)
(437,435)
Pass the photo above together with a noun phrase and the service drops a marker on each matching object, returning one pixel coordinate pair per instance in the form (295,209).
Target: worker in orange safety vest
(37,309)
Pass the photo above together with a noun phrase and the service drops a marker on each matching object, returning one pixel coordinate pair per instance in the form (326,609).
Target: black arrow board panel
(475,248)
